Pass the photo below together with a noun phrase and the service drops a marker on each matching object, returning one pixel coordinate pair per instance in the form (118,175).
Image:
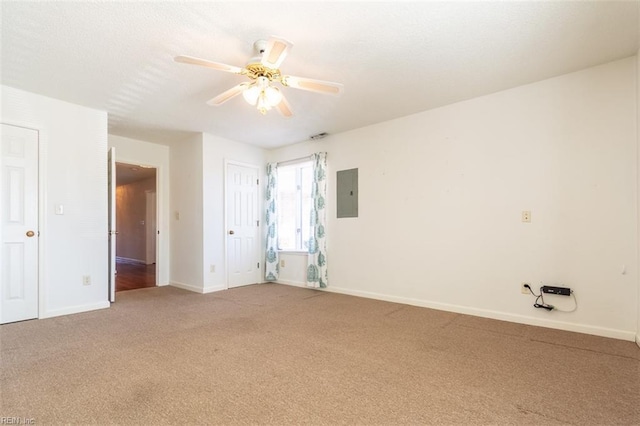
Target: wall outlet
(86,280)
(282,263)
(212,268)
(526,216)
(523,289)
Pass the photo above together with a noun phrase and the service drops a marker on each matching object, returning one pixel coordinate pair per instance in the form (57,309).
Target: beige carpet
(273,354)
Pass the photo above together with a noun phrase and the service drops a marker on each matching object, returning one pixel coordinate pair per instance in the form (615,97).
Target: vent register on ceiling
(263,71)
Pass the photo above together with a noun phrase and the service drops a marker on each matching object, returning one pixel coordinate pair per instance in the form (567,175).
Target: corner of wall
(638,177)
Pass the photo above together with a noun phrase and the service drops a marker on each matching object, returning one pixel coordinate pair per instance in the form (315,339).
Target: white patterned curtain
(272,268)
(317,263)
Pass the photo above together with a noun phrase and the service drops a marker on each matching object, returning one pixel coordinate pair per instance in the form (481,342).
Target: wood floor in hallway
(131,276)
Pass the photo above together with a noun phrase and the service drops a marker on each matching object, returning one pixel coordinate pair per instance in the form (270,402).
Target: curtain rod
(295,160)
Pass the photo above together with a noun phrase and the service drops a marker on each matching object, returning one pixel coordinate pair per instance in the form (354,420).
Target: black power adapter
(561,291)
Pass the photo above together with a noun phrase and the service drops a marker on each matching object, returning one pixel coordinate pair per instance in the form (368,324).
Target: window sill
(294,252)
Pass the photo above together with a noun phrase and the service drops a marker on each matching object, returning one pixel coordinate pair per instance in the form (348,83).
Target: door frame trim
(228,162)
(42,235)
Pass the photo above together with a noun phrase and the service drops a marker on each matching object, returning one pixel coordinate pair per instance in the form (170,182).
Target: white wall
(132,151)
(73,172)
(215,151)
(293,268)
(186,213)
(441,195)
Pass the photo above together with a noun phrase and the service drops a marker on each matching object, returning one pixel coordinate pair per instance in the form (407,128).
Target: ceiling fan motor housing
(254,67)
(260,46)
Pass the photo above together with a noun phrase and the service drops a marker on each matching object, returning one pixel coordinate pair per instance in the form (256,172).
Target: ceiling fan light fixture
(273,95)
(251,95)
(263,104)
(262,95)
(269,98)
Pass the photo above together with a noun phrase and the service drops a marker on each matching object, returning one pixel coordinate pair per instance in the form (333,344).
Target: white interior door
(243,242)
(19,217)
(111,184)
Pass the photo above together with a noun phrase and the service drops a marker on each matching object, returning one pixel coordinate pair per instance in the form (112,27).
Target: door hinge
(257,181)
(257,223)
(258,265)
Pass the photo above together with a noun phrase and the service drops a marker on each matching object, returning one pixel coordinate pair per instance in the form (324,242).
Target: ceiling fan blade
(209,64)
(275,52)
(318,86)
(284,108)
(225,96)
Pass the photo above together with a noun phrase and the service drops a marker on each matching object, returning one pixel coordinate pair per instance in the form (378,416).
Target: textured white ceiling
(394,58)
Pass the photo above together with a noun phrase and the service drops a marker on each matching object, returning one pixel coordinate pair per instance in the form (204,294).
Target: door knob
(30,234)
(231,232)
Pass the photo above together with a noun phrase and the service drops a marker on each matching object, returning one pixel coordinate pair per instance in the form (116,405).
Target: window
(294,206)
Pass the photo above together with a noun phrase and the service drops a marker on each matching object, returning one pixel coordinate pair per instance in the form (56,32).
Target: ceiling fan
(263,70)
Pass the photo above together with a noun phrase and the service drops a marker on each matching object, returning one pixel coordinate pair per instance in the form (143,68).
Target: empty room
(369,213)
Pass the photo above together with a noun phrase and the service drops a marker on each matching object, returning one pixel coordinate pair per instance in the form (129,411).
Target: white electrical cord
(575,304)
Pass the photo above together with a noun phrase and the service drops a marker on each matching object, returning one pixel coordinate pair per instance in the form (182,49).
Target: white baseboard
(213,289)
(197,289)
(292,283)
(75,309)
(184,286)
(129,260)
(485,313)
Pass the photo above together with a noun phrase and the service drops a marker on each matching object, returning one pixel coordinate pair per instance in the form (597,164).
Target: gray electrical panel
(347,193)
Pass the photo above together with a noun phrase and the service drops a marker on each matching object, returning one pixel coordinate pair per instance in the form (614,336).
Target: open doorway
(136,213)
